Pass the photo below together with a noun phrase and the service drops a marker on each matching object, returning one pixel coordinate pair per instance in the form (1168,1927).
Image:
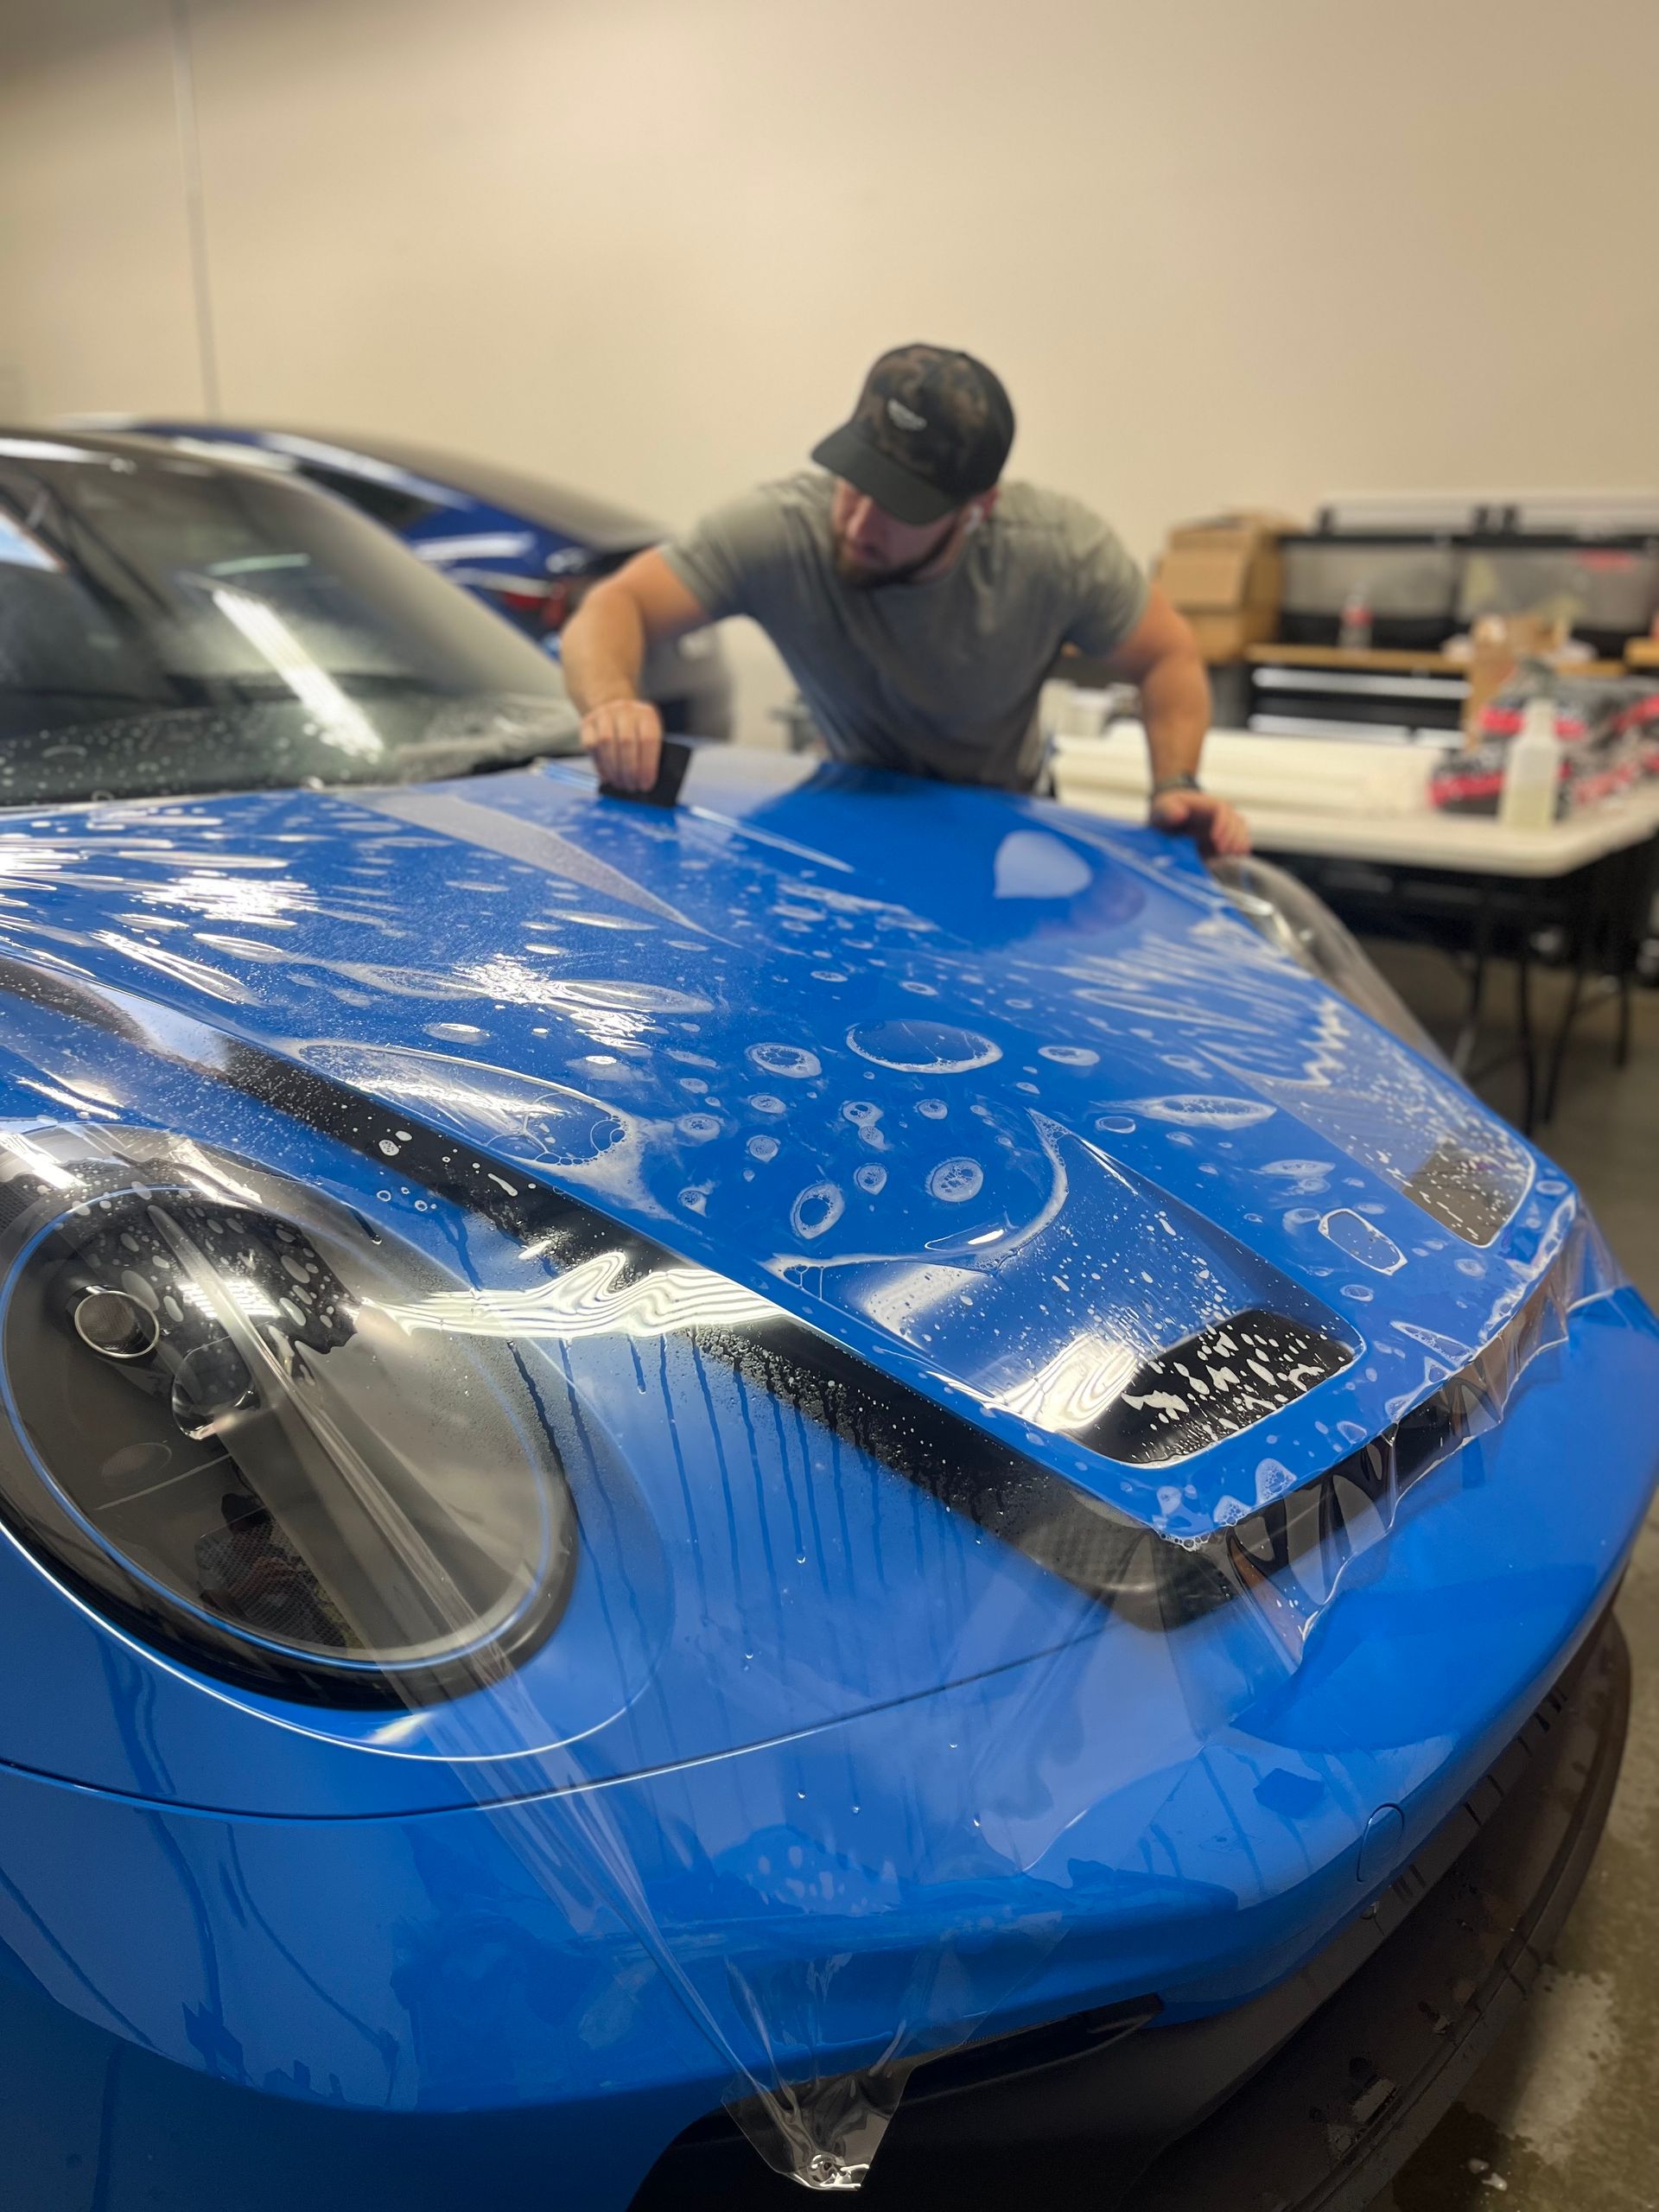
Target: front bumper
(398,2010)
(1310,2098)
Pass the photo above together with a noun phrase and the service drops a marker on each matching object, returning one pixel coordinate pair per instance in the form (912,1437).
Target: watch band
(1183,783)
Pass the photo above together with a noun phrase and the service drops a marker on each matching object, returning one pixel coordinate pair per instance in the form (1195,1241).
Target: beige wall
(94,266)
(1221,250)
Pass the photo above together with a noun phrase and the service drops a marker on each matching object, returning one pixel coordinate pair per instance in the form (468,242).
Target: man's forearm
(1175,710)
(603,650)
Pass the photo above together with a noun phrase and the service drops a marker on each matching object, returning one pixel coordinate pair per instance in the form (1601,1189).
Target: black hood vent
(1212,1385)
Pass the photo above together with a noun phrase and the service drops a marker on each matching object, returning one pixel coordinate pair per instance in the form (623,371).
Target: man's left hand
(1217,828)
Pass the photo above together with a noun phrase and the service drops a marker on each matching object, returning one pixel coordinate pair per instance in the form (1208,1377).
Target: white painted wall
(1218,252)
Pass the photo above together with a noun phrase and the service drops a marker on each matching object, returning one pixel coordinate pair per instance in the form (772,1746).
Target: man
(917,601)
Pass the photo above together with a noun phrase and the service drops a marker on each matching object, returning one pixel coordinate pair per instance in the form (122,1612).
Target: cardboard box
(1223,638)
(1499,645)
(1224,576)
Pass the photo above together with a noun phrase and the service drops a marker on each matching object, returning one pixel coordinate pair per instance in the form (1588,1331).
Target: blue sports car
(852,1484)
(526,547)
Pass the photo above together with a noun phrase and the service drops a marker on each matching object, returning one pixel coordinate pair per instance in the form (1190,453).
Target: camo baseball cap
(931,431)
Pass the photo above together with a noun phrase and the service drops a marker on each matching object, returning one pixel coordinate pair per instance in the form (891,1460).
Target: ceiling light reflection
(589,1300)
(1075,1388)
(343,724)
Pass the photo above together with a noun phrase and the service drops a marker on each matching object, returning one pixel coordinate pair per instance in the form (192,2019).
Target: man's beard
(861,578)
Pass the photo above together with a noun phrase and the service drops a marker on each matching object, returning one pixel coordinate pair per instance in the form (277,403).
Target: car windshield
(169,624)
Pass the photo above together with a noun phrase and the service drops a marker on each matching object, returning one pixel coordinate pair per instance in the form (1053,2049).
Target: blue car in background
(854,1485)
(528,547)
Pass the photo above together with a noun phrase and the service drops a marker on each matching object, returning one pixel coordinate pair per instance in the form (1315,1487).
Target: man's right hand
(625,738)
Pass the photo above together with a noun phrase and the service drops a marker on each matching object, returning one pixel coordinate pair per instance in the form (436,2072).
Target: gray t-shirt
(939,678)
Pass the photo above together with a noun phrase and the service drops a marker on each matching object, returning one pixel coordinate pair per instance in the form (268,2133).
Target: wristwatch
(1175,784)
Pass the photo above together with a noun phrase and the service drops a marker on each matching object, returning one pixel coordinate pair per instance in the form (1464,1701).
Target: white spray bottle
(1533,769)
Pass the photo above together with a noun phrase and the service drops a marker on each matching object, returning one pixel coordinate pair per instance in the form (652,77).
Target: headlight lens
(221,1437)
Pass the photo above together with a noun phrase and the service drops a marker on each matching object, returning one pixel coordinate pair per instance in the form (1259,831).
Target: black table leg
(1523,1024)
(1464,1050)
(1589,932)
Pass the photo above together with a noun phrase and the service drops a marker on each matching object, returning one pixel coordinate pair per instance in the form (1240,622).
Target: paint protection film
(781,1684)
(1283,910)
(423,1496)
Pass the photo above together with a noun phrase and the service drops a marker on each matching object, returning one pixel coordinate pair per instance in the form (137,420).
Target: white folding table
(1590,871)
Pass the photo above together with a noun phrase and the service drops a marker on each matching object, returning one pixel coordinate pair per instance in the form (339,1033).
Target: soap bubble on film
(698,1126)
(816,1208)
(1197,1110)
(871,1179)
(931,1109)
(1273,1479)
(1069,1056)
(955,1181)
(1114,1125)
(793,1062)
(922,1048)
(1305,1177)
(763,1148)
(1359,1239)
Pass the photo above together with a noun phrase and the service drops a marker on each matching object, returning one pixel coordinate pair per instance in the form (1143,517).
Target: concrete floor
(1564,2116)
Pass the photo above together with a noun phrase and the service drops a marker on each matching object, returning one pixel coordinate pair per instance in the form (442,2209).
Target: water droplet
(956,1180)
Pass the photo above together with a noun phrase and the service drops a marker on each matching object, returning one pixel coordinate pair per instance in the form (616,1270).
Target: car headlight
(221,1438)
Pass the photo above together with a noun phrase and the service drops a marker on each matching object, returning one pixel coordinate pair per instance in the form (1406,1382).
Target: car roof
(545,504)
(555,507)
(30,442)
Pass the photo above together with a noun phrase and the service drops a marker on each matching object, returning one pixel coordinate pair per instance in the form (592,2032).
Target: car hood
(1011,1103)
